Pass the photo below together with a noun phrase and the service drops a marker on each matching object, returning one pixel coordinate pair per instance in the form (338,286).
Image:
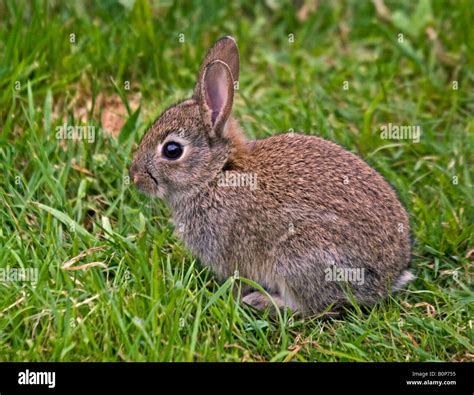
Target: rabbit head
(192,141)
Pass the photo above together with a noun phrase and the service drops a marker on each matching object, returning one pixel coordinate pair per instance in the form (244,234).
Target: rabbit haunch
(318,224)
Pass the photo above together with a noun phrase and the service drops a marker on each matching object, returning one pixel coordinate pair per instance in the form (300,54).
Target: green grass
(153,301)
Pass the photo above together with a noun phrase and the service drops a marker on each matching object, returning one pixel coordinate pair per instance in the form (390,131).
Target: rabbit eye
(172,150)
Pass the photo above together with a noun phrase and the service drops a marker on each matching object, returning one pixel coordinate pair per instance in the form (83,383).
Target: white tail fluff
(403,280)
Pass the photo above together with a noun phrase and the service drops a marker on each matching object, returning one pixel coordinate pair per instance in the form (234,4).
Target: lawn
(340,70)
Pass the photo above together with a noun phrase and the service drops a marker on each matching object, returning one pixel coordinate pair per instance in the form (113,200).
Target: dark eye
(172,150)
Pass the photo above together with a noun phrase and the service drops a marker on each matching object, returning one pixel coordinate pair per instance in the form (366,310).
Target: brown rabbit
(301,216)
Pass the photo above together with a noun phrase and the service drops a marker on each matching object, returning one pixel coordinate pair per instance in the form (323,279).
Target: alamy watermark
(400,132)
(75,132)
(235,179)
(11,274)
(345,274)
(37,378)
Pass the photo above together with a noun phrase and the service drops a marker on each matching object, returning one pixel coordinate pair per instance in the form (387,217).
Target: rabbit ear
(225,49)
(216,96)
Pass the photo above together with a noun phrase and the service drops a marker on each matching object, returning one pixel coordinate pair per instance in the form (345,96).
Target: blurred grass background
(116,65)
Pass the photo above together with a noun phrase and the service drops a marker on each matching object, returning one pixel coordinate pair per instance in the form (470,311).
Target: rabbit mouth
(148,172)
(146,182)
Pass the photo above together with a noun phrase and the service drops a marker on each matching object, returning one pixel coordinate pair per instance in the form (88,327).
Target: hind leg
(305,282)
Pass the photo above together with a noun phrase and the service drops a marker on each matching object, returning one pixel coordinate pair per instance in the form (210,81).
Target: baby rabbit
(299,215)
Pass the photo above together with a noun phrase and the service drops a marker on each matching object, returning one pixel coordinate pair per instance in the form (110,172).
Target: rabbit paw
(260,301)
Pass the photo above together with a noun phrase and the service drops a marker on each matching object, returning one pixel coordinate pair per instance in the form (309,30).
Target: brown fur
(315,205)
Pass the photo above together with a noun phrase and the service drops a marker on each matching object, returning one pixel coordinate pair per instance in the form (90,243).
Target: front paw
(257,300)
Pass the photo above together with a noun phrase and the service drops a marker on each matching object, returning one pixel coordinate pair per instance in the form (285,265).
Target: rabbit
(312,216)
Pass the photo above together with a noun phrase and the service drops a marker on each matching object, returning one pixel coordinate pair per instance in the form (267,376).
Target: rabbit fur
(314,213)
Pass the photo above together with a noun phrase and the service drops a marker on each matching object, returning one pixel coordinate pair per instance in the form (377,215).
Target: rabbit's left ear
(216,96)
(225,49)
